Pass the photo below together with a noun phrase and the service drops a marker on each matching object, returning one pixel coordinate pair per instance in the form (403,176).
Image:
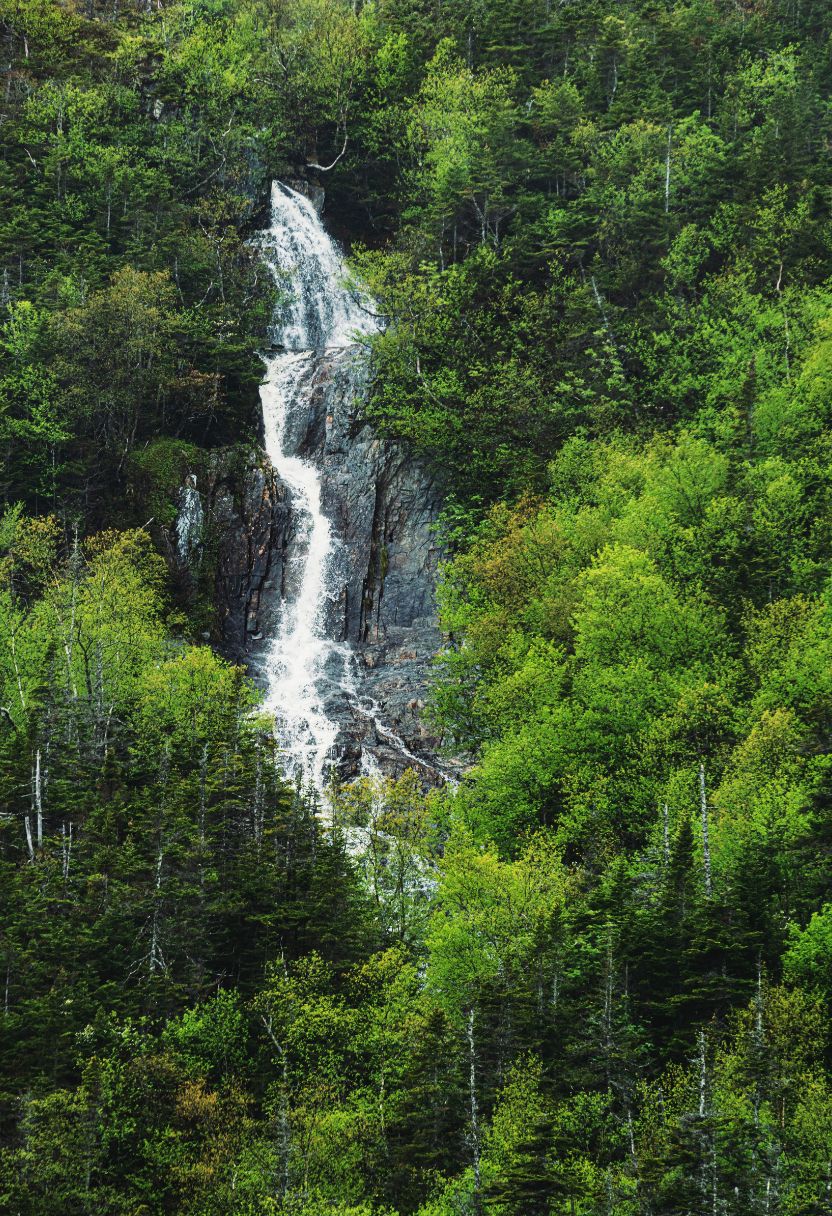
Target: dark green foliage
(527,1185)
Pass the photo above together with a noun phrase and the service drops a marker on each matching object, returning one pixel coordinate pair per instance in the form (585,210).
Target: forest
(593,977)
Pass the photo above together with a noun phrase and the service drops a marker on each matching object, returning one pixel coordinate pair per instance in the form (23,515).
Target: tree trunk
(156,961)
(666,834)
(37,799)
(66,850)
(474,1112)
(706,840)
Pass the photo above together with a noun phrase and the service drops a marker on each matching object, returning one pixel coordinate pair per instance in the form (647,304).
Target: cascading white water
(190,519)
(316,313)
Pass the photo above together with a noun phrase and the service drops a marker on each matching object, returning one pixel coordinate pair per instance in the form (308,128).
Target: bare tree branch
(326,168)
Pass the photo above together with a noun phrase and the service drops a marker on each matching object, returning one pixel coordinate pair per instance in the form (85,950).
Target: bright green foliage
(496,923)
(520,1145)
(390,824)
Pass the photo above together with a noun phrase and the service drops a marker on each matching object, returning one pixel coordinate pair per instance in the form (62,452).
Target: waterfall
(189,522)
(315,314)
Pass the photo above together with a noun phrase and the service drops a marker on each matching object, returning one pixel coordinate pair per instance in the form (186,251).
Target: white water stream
(316,314)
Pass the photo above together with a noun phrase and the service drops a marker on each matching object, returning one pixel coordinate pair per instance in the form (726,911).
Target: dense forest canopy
(596,977)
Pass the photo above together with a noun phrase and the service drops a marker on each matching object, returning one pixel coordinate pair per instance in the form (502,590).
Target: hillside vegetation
(596,977)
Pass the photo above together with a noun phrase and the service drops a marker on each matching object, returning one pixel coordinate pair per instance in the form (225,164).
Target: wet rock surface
(250,518)
(383,507)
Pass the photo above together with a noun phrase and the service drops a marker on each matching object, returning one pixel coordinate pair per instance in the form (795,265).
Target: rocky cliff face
(286,602)
(250,519)
(229,541)
(383,506)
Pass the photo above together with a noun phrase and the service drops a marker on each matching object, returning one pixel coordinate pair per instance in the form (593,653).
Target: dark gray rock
(315,194)
(383,506)
(251,517)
